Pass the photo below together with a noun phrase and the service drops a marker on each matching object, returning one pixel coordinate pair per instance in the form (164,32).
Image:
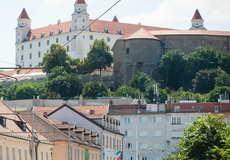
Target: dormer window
(119,31)
(107,30)
(89,28)
(21,125)
(59,31)
(51,33)
(3,121)
(42,35)
(33,37)
(70,29)
(26,39)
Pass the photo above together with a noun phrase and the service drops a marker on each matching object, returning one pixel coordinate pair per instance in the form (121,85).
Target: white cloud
(178,13)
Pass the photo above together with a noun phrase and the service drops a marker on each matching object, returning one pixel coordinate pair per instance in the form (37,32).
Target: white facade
(153,136)
(109,140)
(30,49)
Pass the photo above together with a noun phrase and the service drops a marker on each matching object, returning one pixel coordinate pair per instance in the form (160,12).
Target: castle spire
(197,22)
(115,19)
(80,2)
(24,14)
(197,15)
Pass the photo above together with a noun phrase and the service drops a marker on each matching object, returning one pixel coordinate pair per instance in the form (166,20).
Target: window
(210,43)
(30,46)
(83,20)
(67,48)
(128,133)
(56,40)
(47,156)
(47,51)
(129,158)
(67,38)
(176,108)
(22,47)
(157,146)
(41,155)
(225,43)
(200,108)
(48,42)
(143,158)
(142,119)
(143,133)
(157,133)
(13,153)
(7,153)
(216,109)
(127,50)
(21,57)
(176,134)
(39,54)
(193,42)
(107,141)
(1,156)
(193,119)
(108,39)
(39,44)
(107,30)
(91,37)
(30,65)
(128,120)
(143,145)
(176,120)
(167,43)
(25,154)
(156,119)
(30,55)
(33,37)
(119,31)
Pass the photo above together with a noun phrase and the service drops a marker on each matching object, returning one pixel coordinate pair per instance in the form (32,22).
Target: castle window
(39,54)
(139,64)
(167,43)
(89,28)
(39,44)
(107,30)
(3,121)
(127,50)
(67,48)
(56,40)
(193,42)
(48,42)
(75,20)
(91,37)
(30,55)
(83,20)
(30,65)
(210,43)
(30,46)
(108,39)
(225,43)
(119,31)
(67,38)
(22,47)
(21,57)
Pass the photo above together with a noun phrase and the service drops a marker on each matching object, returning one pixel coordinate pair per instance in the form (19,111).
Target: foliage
(95,89)
(84,67)
(99,56)
(214,94)
(140,81)
(64,84)
(175,95)
(73,62)
(207,138)
(171,68)
(3,91)
(126,91)
(56,57)
(223,79)
(42,89)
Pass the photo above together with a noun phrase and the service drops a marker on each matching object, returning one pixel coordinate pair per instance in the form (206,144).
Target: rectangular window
(176,120)
(108,39)
(22,47)
(176,134)
(142,145)
(19,154)
(129,158)
(143,133)
(48,42)
(156,119)
(56,40)
(91,37)
(67,48)
(21,57)
(128,133)
(39,44)
(157,133)
(128,146)
(216,109)
(157,146)
(142,119)
(30,55)
(47,51)
(41,155)
(128,120)
(7,153)
(67,38)
(200,108)
(25,154)
(39,54)
(30,46)
(176,108)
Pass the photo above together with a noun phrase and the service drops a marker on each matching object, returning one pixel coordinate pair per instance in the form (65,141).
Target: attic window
(119,31)
(33,37)
(89,28)
(107,30)
(59,31)
(26,39)
(42,35)
(3,121)
(21,125)
(51,33)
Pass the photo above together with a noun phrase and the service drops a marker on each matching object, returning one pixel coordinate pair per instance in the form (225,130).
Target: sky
(176,14)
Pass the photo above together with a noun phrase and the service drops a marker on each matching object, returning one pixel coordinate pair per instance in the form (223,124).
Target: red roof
(197,15)
(98,26)
(24,14)
(190,32)
(80,2)
(115,19)
(141,33)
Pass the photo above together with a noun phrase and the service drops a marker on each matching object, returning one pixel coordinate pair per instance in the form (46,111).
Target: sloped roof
(197,15)
(80,2)
(24,14)
(190,32)
(98,26)
(140,34)
(20,72)
(115,19)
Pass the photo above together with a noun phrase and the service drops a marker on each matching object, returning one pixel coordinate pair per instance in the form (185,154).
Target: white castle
(32,44)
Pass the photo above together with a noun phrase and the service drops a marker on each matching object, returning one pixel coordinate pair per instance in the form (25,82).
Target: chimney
(138,104)
(87,135)
(80,133)
(168,103)
(92,111)
(45,114)
(18,71)
(81,100)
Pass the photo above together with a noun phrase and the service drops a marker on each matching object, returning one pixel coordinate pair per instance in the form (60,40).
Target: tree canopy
(206,138)
(95,89)
(140,81)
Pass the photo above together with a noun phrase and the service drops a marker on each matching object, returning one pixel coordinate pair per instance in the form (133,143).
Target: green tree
(84,67)
(56,57)
(64,84)
(95,89)
(207,138)
(140,81)
(3,91)
(99,56)
(223,79)
(171,68)
(126,91)
(214,94)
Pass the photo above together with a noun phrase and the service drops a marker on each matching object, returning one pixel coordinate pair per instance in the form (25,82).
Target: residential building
(16,138)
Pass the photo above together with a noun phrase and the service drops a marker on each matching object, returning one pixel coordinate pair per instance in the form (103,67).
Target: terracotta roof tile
(19,72)
(80,2)
(24,14)
(197,15)
(141,33)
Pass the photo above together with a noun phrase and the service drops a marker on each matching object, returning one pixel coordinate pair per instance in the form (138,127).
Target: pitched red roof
(115,19)
(190,32)
(24,14)
(80,2)
(197,15)
(141,33)
(98,26)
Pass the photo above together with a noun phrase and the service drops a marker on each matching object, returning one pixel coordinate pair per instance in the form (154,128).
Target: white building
(109,137)
(32,44)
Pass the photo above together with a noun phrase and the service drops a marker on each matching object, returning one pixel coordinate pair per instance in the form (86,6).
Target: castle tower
(24,27)
(197,22)
(80,17)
